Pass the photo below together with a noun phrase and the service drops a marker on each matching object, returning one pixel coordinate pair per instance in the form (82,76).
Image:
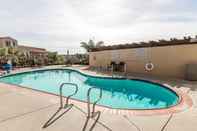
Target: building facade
(169,60)
(32,51)
(8,42)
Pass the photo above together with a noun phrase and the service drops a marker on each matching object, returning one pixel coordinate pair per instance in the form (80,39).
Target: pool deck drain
(27,110)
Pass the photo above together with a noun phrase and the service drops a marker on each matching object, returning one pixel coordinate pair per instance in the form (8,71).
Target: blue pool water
(117,93)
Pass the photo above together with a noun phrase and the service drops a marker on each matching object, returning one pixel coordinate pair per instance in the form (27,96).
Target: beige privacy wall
(168,60)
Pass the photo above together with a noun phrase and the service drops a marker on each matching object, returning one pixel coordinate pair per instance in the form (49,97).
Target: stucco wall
(13,43)
(2,43)
(168,60)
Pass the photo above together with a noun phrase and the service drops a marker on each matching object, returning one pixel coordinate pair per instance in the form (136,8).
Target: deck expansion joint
(27,113)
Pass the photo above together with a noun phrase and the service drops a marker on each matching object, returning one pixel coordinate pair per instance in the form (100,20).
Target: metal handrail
(92,114)
(68,97)
(67,106)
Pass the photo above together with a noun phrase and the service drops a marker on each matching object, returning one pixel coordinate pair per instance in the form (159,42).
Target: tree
(60,60)
(12,51)
(3,51)
(88,46)
(52,57)
(22,60)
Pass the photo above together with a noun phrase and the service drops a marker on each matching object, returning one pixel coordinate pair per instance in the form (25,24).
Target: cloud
(63,24)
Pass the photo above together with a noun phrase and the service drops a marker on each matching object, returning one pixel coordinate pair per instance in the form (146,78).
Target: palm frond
(99,44)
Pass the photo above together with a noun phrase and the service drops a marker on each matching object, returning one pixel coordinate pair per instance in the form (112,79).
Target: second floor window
(14,44)
(8,43)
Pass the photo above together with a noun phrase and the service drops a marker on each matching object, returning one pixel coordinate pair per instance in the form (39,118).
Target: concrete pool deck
(27,110)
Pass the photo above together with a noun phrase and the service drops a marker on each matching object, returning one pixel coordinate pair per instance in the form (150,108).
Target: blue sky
(62,24)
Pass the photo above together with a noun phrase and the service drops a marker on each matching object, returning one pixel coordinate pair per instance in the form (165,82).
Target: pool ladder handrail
(68,97)
(93,113)
(67,106)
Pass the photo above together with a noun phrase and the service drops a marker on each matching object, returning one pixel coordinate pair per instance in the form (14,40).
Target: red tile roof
(7,37)
(33,49)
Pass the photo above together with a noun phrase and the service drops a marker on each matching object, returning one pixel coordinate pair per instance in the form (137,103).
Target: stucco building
(32,51)
(7,42)
(170,58)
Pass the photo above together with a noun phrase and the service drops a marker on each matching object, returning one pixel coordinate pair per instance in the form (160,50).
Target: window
(8,43)
(14,43)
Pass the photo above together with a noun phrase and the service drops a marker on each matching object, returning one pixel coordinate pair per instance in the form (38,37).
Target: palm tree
(88,46)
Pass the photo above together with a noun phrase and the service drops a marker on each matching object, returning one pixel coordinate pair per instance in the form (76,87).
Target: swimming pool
(118,93)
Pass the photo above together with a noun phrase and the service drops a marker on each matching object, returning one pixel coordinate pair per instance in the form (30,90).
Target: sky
(58,25)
